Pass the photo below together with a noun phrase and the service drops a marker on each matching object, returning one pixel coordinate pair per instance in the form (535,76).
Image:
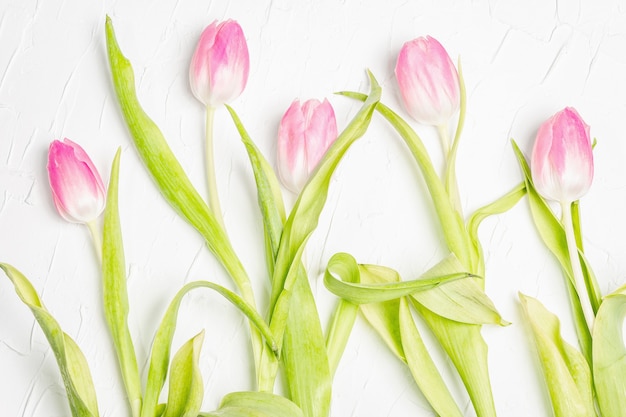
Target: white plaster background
(522,62)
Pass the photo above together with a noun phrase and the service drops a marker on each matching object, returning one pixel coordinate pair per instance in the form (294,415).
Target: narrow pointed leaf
(186,389)
(71,361)
(422,367)
(115,294)
(609,355)
(565,369)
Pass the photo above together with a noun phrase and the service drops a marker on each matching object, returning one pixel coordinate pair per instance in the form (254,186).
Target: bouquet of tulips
(287,335)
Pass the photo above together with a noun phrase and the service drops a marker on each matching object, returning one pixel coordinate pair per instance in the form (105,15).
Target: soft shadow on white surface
(521,62)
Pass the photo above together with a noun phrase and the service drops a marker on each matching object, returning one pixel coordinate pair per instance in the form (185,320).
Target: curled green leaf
(360,293)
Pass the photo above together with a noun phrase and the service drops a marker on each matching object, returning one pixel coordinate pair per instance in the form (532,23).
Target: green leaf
(72,363)
(609,355)
(186,389)
(160,355)
(422,367)
(255,404)
(565,369)
(360,293)
(268,192)
(115,294)
(307,368)
(462,300)
(553,235)
(393,321)
(304,356)
(169,175)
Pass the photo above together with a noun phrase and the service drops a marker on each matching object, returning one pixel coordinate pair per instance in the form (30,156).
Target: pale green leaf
(422,367)
(255,404)
(609,355)
(71,361)
(461,300)
(565,369)
(186,389)
(467,350)
(115,293)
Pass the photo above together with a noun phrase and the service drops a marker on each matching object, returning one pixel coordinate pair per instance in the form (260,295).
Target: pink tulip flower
(428,80)
(78,192)
(306,131)
(220,64)
(562,159)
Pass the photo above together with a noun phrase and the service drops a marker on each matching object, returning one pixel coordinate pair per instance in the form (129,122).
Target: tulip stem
(577,272)
(444,137)
(214,201)
(96,237)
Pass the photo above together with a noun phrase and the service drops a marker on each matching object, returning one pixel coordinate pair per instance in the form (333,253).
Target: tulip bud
(78,192)
(562,158)
(306,131)
(220,64)
(428,80)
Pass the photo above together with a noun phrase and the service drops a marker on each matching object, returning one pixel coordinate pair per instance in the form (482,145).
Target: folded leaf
(186,389)
(72,363)
(461,300)
(609,355)
(565,369)
(360,293)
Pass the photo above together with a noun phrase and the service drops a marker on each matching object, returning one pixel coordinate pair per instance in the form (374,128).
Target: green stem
(96,237)
(214,201)
(444,138)
(449,179)
(577,271)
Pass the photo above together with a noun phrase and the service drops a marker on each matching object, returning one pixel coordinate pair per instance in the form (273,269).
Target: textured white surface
(522,62)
